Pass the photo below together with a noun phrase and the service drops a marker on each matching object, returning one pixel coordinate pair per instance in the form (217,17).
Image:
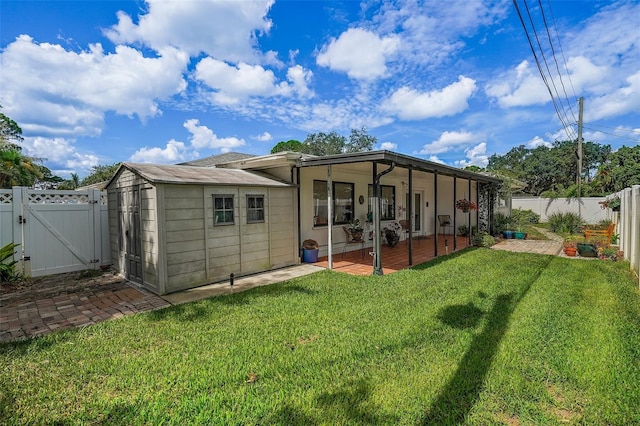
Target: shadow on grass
(461,392)
(443,258)
(348,405)
(201,309)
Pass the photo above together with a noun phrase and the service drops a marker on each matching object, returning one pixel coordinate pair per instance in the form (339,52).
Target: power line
(553,54)
(616,128)
(540,70)
(612,134)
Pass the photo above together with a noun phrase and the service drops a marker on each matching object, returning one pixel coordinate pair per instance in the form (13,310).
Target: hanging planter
(466,205)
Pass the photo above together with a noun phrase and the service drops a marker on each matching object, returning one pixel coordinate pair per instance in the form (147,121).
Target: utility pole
(579,177)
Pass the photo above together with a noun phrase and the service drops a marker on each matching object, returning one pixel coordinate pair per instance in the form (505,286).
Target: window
(387,201)
(342,203)
(255,208)
(223,209)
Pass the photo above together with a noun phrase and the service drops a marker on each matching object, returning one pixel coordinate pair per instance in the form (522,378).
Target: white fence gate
(58,231)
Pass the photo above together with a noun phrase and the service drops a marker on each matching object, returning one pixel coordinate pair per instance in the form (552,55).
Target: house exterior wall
(361,176)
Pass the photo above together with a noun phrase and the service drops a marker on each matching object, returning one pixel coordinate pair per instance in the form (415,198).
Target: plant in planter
(570,244)
(520,233)
(466,205)
(391,234)
(356,229)
(483,239)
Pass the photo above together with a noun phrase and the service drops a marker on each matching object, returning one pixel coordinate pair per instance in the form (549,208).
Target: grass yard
(479,337)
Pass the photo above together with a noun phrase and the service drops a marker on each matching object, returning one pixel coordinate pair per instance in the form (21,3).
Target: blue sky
(98,82)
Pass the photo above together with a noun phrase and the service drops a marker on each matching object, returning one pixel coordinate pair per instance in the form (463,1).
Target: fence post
(16,220)
(634,255)
(94,202)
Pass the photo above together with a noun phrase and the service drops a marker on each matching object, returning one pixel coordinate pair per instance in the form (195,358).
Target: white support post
(330,218)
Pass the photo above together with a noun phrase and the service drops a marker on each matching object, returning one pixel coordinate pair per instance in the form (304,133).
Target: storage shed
(175,227)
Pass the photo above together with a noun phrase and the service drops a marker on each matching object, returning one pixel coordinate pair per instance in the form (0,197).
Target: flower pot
(507,234)
(570,251)
(519,235)
(587,250)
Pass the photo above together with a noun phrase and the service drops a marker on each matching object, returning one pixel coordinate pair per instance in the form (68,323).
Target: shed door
(129,232)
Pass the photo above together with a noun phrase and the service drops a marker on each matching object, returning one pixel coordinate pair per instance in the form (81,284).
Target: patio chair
(445,222)
(349,239)
(405,229)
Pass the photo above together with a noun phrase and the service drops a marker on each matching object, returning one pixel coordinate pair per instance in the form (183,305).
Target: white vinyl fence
(629,226)
(58,231)
(587,207)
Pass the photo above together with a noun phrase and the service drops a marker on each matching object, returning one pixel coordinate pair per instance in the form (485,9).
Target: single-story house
(175,227)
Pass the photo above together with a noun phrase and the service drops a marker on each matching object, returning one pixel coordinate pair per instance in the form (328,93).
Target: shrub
(523,217)
(483,239)
(501,222)
(565,223)
(7,266)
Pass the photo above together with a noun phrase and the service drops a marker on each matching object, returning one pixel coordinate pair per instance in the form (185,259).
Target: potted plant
(356,230)
(570,245)
(466,205)
(391,234)
(519,233)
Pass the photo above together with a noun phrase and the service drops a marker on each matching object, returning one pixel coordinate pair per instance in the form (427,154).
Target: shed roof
(162,173)
(214,160)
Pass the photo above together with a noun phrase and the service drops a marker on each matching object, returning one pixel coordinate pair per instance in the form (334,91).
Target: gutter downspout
(377,209)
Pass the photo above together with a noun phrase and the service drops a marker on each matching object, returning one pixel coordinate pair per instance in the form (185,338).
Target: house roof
(176,174)
(400,160)
(214,160)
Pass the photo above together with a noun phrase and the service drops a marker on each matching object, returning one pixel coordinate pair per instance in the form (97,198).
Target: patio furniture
(445,222)
(349,239)
(405,229)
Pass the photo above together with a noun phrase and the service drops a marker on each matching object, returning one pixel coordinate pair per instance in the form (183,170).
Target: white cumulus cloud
(51,90)
(204,138)
(175,151)
(264,137)
(448,141)
(409,104)
(226,30)
(476,156)
(359,53)
(389,146)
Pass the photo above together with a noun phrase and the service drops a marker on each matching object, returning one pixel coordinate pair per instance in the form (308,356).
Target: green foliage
(501,222)
(333,143)
(290,145)
(17,169)
(100,173)
(463,230)
(522,217)
(550,169)
(10,133)
(483,239)
(565,223)
(7,264)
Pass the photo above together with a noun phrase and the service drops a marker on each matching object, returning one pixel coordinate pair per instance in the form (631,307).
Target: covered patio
(394,258)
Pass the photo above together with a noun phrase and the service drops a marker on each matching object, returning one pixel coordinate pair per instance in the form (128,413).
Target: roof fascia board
(401,160)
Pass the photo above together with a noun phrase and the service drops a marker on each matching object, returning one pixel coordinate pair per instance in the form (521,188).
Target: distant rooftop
(214,160)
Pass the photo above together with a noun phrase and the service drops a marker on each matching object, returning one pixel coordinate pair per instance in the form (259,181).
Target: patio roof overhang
(400,160)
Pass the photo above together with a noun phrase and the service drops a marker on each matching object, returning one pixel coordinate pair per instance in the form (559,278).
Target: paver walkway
(552,246)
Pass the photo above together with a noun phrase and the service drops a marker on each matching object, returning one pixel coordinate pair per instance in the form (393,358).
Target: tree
(325,143)
(10,133)
(332,143)
(72,183)
(360,141)
(100,173)
(290,145)
(17,169)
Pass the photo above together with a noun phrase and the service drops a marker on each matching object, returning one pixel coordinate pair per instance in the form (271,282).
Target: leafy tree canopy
(100,173)
(329,143)
(290,145)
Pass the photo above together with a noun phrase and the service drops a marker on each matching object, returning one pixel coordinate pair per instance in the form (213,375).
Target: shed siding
(184,230)
(148,225)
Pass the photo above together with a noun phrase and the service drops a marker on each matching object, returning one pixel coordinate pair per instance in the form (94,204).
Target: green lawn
(479,337)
